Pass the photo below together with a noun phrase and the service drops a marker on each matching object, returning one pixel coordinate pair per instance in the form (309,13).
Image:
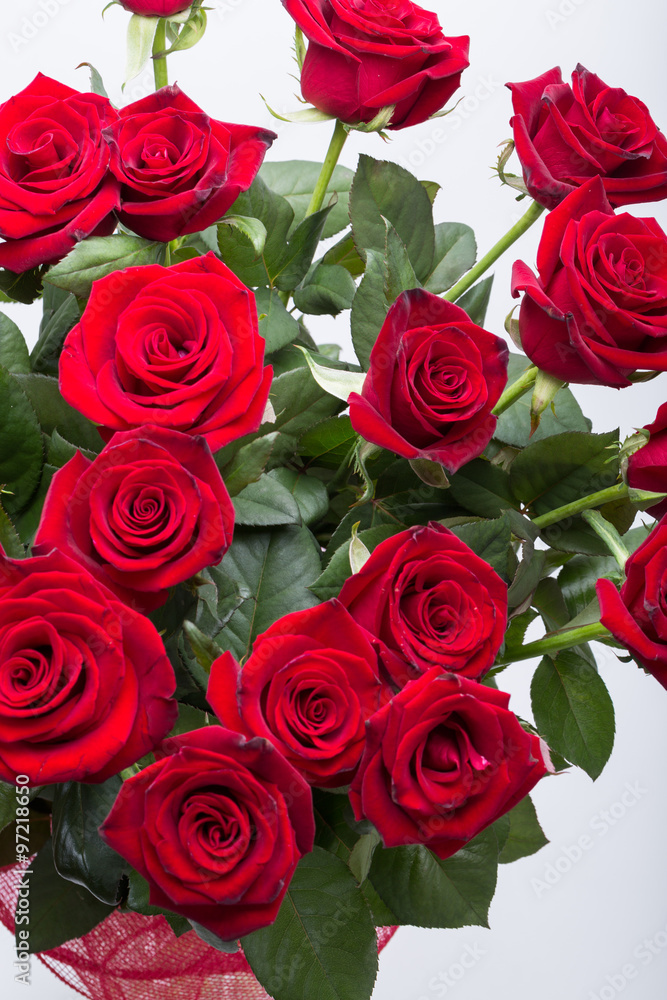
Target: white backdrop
(568,922)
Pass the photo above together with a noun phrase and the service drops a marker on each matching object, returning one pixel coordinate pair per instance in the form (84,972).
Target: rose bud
(176,346)
(216,826)
(434,378)
(149,512)
(180,170)
(443,760)
(598,309)
(85,684)
(637,616)
(364,56)
(309,685)
(431,601)
(565,135)
(155,8)
(55,185)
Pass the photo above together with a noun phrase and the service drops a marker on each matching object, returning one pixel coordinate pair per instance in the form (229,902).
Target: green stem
(518,229)
(560,640)
(330,161)
(130,771)
(609,535)
(160,64)
(516,390)
(618,492)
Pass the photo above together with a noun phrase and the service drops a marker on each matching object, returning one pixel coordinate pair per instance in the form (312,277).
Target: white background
(583,937)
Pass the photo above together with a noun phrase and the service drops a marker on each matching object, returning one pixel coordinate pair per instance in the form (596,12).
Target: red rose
(174,346)
(216,827)
(149,512)
(85,685)
(156,8)
(443,760)
(431,601)
(179,169)
(637,616)
(565,135)
(364,56)
(55,185)
(309,685)
(434,378)
(598,309)
(647,468)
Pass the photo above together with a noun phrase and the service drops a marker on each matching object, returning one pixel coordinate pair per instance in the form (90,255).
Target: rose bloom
(216,826)
(647,467)
(155,8)
(364,56)
(55,185)
(565,135)
(173,346)
(180,170)
(637,617)
(598,309)
(149,512)
(309,685)
(434,378)
(433,602)
(443,760)
(85,684)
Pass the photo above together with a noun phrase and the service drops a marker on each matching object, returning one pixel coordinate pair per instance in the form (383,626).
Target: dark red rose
(174,346)
(310,683)
(149,512)
(216,827)
(427,596)
(434,378)
(179,169)
(647,468)
(637,616)
(366,55)
(55,185)
(565,135)
(443,760)
(598,310)
(156,8)
(85,684)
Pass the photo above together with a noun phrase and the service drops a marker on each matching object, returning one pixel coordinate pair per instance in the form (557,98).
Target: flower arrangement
(256,600)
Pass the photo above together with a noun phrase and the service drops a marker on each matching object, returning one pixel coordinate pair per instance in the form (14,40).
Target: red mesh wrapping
(130,957)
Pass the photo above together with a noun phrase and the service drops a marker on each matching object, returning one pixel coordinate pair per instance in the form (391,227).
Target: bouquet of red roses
(255,600)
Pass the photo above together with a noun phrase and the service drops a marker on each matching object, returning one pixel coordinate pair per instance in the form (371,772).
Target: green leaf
(13,349)
(300,402)
(236,249)
(482,488)
(98,256)
(573,710)
(346,254)
(61,312)
(554,472)
(294,263)
(476,300)
(21,449)
(254,229)
(426,892)
(53,413)
(79,853)
(295,181)
(336,381)
(388,273)
(96,82)
(24,287)
(7,804)
(322,945)
(59,910)
(11,544)
(28,521)
(490,540)
(327,290)
(276,326)
(577,580)
(310,494)
(455,253)
(329,583)
(257,562)
(526,836)
(205,650)
(265,503)
(228,947)
(248,463)
(384,192)
(513,425)
(140,35)
(137,900)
